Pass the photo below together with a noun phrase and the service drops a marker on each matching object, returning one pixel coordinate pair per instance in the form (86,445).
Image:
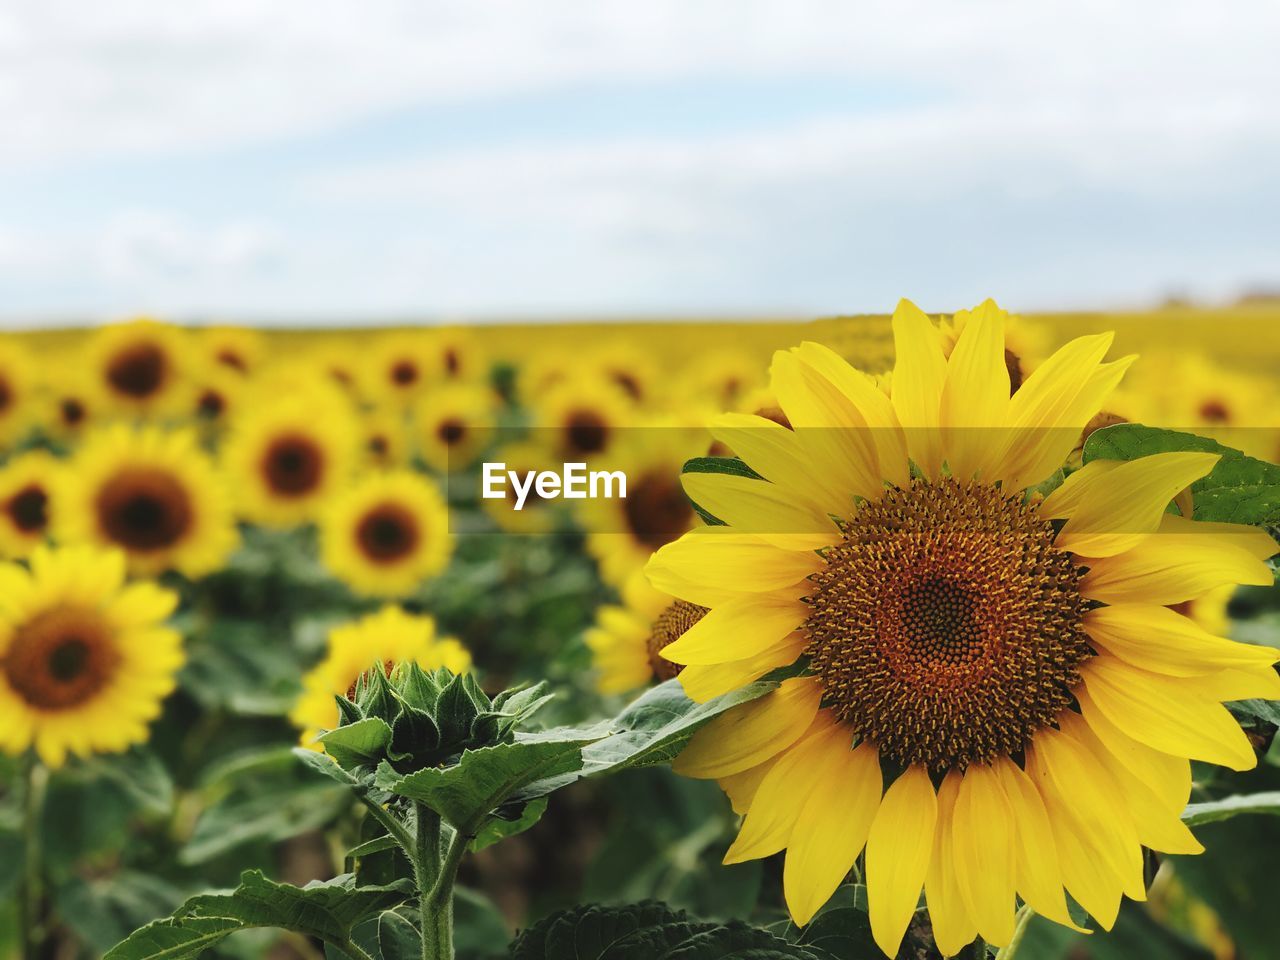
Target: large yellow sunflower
(385,638)
(138,368)
(85,660)
(16,390)
(997,700)
(453,425)
(289,456)
(27,484)
(387,534)
(153,494)
(626,637)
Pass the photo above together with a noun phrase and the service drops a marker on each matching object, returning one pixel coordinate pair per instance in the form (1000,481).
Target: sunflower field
(866,637)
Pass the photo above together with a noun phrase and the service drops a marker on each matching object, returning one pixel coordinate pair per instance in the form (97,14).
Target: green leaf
(497,828)
(1239,489)
(323,763)
(730,465)
(651,931)
(478,927)
(483,780)
(139,774)
(327,911)
(1214,810)
(656,727)
(1267,711)
(360,744)
(398,938)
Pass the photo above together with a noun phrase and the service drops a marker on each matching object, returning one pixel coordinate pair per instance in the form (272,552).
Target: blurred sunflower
(455,353)
(68,410)
(387,534)
(85,660)
(628,366)
(138,368)
(216,395)
(453,425)
(397,370)
(627,637)
(291,456)
(723,378)
(384,438)
(27,485)
(579,417)
(1009,665)
(16,390)
(239,350)
(153,494)
(536,515)
(385,638)
(623,533)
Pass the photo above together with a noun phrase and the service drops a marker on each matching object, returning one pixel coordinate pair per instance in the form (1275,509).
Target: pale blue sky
(292,162)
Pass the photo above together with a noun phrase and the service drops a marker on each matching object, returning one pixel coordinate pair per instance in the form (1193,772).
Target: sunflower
(1024,343)
(290,456)
(153,494)
(385,638)
(68,410)
(16,390)
(387,534)
(626,638)
(138,368)
(453,425)
(624,532)
(383,439)
(218,392)
(454,353)
(996,700)
(27,484)
(398,369)
(238,350)
(628,366)
(85,660)
(537,515)
(725,378)
(581,416)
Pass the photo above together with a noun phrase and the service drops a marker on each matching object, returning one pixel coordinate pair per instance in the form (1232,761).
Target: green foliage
(1239,489)
(326,911)
(652,931)
(1215,810)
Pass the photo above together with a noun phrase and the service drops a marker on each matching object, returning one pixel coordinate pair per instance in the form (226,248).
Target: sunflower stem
(29,907)
(1019,931)
(436,869)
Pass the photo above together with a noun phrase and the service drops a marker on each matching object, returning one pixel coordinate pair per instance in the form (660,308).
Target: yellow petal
(781,457)
(1255,541)
(1119,508)
(751,733)
(953,929)
(784,790)
(1239,683)
(703,683)
(1173,566)
(872,405)
(755,506)
(898,851)
(1166,714)
(833,825)
(918,378)
(741,628)
(974,406)
(1158,827)
(829,428)
(1036,867)
(1163,641)
(741,788)
(1167,775)
(984,851)
(712,564)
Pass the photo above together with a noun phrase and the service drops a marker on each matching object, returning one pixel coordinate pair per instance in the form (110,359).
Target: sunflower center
(29,509)
(451,431)
(211,404)
(586,432)
(293,465)
(144,509)
(60,658)
(656,509)
(387,533)
(1215,411)
(137,371)
(6,394)
(229,358)
(671,625)
(72,411)
(404,373)
(946,627)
